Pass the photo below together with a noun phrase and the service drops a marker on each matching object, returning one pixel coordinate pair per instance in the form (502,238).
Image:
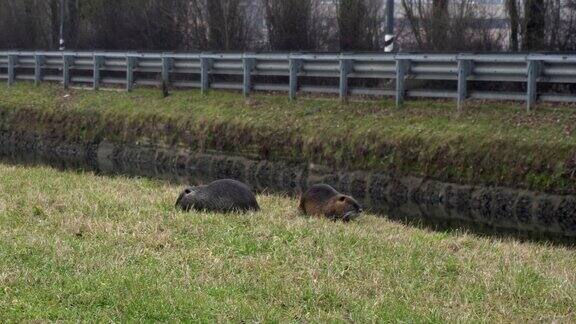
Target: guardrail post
(295,65)
(98,61)
(345,67)
(11,69)
(130,62)
(38,63)
(247,66)
(532,83)
(402,68)
(464,70)
(205,66)
(66,70)
(166,66)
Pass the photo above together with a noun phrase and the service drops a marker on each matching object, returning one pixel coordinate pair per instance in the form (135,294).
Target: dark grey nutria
(323,200)
(219,196)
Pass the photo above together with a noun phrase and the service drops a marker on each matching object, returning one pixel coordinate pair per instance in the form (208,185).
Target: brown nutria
(221,196)
(322,199)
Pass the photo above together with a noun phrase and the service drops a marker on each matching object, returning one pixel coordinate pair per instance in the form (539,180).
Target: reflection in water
(412,200)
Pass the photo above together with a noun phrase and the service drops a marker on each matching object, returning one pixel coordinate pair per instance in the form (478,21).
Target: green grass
(75,246)
(489,143)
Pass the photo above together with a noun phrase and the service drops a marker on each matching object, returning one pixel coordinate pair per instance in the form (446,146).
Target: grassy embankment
(82,247)
(490,143)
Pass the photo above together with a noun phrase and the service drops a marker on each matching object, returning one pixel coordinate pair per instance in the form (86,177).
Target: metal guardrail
(201,70)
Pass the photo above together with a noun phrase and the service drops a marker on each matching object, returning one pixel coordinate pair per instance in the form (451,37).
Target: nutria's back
(219,196)
(320,193)
(322,199)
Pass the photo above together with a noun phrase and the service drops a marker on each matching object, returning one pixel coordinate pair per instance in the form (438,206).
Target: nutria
(322,199)
(219,196)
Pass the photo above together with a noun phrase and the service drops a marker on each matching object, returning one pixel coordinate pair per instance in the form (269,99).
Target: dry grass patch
(77,246)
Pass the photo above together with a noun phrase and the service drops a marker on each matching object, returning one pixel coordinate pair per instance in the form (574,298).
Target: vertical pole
(11,68)
(166,66)
(294,65)
(98,60)
(66,70)
(38,63)
(532,84)
(248,66)
(130,62)
(389,38)
(62,13)
(345,66)
(402,67)
(464,69)
(205,74)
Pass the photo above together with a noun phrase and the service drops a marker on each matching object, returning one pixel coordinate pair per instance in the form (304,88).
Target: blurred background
(289,25)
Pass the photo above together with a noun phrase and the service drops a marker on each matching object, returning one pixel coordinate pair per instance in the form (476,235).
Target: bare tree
(72,35)
(228,26)
(359,24)
(542,24)
(191,17)
(439,24)
(132,24)
(514,18)
(560,29)
(23,24)
(449,26)
(534,25)
(567,40)
(290,24)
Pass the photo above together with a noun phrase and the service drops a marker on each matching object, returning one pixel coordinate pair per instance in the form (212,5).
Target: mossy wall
(400,197)
(488,145)
(505,170)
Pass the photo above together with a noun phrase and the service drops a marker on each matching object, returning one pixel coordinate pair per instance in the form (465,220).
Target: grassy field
(76,246)
(489,143)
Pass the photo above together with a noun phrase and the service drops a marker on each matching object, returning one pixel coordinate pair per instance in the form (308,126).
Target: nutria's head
(347,207)
(186,199)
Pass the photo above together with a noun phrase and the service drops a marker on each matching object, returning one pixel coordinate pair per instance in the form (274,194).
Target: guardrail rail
(245,71)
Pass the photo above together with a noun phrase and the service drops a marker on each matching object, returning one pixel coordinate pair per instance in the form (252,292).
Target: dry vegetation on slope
(491,143)
(76,246)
